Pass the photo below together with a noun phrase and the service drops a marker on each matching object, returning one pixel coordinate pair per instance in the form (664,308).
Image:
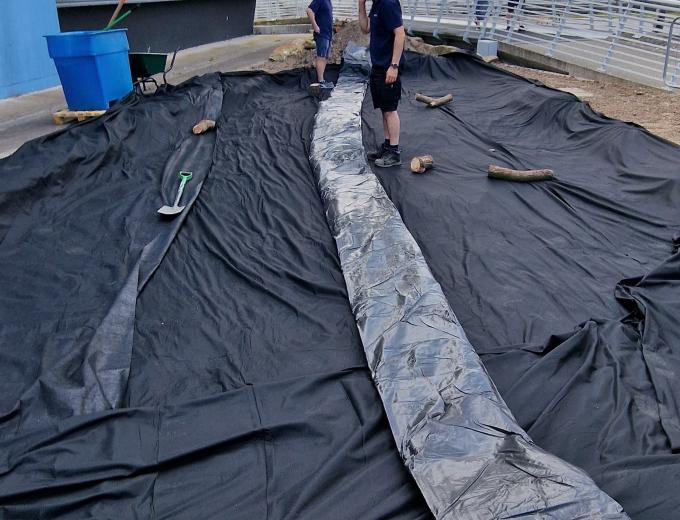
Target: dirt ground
(344,32)
(656,110)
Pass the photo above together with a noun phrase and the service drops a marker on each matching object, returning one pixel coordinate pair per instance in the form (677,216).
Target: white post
(619,29)
(442,3)
(558,32)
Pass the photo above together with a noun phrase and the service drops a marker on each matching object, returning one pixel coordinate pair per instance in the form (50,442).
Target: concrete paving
(26,117)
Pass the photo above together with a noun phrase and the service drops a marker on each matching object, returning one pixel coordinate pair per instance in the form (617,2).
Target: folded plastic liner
(458,438)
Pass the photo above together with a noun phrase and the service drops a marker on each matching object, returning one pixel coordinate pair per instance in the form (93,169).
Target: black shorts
(385,97)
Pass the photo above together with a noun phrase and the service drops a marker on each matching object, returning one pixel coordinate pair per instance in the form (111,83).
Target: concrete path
(26,117)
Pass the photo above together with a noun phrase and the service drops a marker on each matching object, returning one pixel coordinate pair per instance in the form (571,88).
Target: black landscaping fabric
(568,289)
(208,367)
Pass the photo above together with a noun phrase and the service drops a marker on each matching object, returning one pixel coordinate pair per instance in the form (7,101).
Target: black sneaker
(388,160)
(378,153)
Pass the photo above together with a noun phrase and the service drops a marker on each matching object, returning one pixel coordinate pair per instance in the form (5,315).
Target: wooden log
(424,99)
(421,163)
(203,126)
(508,174)
(434,102)
(441,101)
(64,116)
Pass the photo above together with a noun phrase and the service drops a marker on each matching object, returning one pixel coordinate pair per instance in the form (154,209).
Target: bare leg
(320,68)
(392,126)
(386,127)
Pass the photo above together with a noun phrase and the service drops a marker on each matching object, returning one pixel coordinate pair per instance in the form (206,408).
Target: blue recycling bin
(93,67)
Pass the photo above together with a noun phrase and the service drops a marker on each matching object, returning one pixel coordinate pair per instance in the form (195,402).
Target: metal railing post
(641,23)
(471,6)
(435,33)
(619,29)
(672,83)
(413,15)
(515,20)
(493,12)
(560,28)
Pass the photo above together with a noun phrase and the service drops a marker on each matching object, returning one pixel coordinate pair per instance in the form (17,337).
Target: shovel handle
(119,7)
(186,177)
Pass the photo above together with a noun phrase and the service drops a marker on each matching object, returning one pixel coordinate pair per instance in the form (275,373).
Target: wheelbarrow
(145,65)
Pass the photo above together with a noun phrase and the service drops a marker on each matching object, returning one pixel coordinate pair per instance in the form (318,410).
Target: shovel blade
(171,210)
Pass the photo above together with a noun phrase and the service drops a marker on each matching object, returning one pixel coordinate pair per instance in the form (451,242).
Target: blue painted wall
(25,65)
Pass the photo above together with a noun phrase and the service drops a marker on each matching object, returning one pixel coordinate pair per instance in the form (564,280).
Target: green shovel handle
(186,176)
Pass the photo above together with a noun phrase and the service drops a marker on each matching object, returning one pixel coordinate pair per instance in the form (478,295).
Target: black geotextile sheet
(568,289)
(211,369)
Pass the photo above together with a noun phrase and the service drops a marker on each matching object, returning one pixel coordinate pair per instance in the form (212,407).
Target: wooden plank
(64,116)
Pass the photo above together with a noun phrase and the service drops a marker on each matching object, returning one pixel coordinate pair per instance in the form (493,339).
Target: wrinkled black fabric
(458,438)
(248,394)
(79,237)
(568,289)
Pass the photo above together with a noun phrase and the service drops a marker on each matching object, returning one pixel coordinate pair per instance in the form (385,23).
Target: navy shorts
(385,97)
(323,46)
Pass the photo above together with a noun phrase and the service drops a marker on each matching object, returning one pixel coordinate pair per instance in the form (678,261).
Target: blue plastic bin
(93,67)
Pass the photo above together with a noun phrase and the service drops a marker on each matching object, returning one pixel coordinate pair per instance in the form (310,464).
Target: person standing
(386,27)
(510,15)
(320,13)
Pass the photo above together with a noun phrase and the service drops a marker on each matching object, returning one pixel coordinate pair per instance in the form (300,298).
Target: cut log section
(434,102)
(508,174)
(203,126)
(64,116)
(421,163)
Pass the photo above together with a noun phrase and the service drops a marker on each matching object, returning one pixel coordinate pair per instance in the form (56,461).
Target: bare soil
(344,32)
(656,110)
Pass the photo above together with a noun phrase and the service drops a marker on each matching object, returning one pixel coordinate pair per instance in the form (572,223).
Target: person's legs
(376,85)
(386,127)
(509,14)
(392,127)
(323,52)
(320,67)
(392,155)
(389,96)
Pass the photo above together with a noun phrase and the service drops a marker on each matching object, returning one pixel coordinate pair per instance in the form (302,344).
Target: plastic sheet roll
(460,441)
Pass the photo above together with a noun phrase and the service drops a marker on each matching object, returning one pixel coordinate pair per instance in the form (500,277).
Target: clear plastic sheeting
(460,441)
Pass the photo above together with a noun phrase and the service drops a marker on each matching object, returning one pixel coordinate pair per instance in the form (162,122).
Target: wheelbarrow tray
(147,64)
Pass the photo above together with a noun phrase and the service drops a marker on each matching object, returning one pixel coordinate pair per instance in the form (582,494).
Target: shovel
(176,209)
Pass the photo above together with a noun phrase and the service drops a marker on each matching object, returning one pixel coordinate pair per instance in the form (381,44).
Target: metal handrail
(631,39)
(672,83)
